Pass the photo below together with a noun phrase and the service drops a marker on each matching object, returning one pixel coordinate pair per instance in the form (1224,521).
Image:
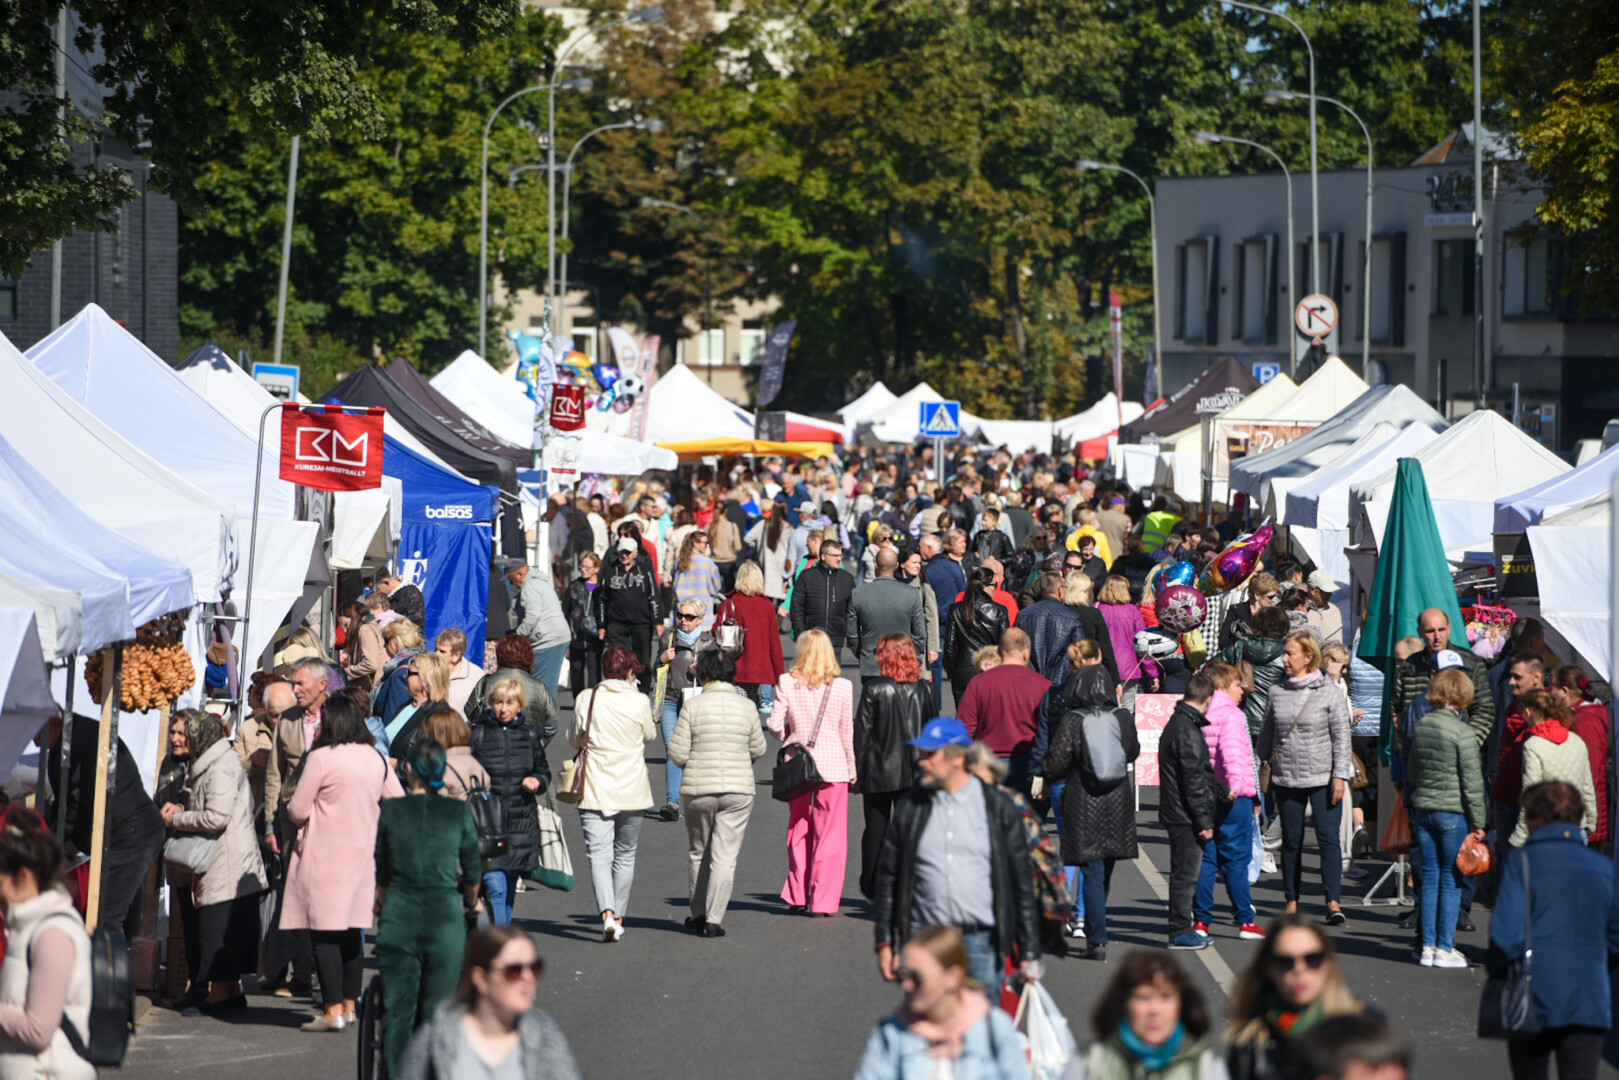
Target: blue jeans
(1054,793)
(501,885)
(1230,854)
(938,685)
(671,771)
(1439,835)
(1098,877)
(983,963)
(548,666)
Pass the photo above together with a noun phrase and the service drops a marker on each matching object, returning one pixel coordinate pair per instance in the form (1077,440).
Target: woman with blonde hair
(462,772)
(1293,983)
(1077,592)
(428,680)
(814,708)
(513,753)
(1124,622)
(759,663)
(882,538)
(301,643)
(696,577)
(462,674)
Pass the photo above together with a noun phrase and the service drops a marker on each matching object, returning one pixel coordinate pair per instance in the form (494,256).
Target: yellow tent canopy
(699,448)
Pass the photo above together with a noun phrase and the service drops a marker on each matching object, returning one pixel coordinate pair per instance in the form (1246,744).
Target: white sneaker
(1443,958)
(1428,952)
(612,930)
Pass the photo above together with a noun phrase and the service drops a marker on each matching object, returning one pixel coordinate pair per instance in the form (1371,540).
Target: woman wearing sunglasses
(491,1027)
(947,1025)
(1292,985)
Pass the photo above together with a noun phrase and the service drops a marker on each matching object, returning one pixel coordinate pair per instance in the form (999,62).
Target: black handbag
(1507,1007)
(794,776)
(488,817)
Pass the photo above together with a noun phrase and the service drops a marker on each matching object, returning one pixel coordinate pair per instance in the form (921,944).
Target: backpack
(488,816)
(112,1002)
(1102,762)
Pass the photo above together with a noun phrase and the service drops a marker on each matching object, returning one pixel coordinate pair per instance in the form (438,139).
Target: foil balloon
(607,375)
(606,398)
(1181,608)
(576,367)
(623,403)
(1180,573)
(1240,558)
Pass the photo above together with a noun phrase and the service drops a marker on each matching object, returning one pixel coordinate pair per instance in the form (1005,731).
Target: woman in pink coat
(812,696)
(332,876)
(1232,755)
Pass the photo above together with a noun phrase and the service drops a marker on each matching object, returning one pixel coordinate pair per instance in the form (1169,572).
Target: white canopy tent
(1575,597)
(876,399)
(1100,419)
(365,523)
(681,408)
(1018,435)
(1180,456)
(25,693)
(1579,485)
(1326,393)
(1480,459)
(112,480)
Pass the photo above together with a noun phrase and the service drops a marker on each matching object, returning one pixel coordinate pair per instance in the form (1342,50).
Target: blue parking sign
(1266,372)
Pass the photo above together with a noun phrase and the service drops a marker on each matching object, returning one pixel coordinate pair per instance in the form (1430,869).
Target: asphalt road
(794,998)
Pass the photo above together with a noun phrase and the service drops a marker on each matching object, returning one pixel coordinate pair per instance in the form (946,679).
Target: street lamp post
(549,89)
(1315,188)
(1209,138)
(653,126)
(1152,225)
(645,15)
(708,270)
(1366,293)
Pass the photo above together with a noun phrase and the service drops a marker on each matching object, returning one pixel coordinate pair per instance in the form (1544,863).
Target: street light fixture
(1315,186)
(653,125)
(549,89)
(649,16)
(1273,97)
(1152,224)
(708,266)
(1209,138)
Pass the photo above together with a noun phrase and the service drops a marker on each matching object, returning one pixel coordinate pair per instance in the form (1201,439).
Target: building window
(1453,277)
(1388,290)
(1198,272)
(1256,293)
(711,347)
(1329,267)
(1547,266)
(753,342)
(584,340)
(8,300)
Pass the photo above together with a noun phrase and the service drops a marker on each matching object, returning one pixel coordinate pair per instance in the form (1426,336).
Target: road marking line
(1212,960)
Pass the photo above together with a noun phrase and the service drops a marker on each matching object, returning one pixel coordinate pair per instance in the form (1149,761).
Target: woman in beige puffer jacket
(716,742)
(223,930)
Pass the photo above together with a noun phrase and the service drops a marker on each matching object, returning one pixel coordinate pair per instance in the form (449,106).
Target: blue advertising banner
(449,563)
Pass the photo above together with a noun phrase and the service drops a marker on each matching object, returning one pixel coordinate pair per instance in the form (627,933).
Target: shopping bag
(1051,1043)
(1474,858)
(1397,833)
(556,867)
(1256,858)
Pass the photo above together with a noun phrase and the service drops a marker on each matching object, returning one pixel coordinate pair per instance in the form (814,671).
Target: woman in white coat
(771,537)
(716,742)
(613,724)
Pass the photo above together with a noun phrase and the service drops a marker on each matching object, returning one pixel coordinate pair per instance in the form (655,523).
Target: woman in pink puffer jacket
(1232,754)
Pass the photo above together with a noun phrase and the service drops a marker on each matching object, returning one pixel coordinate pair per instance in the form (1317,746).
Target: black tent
(451,416)
(374,387)
(1221,385)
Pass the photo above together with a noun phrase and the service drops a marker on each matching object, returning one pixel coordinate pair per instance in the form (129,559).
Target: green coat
(1443,770)
(427,845)
(1413,676)
(1265,654)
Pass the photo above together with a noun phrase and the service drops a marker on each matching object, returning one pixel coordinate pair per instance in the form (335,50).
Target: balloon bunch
(606,388)
(1237,562)
(1179,606)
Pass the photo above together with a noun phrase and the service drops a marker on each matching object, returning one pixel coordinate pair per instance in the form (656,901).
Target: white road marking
(1212,960)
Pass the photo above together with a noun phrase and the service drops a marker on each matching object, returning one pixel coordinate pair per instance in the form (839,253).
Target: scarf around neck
(1291,1023)
(1153,1058)
(948,1039)
(689,638)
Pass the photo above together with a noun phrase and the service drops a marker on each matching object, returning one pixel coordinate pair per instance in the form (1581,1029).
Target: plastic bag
(1397,834)
(1474,858)
(1051,1043)
(1256,859)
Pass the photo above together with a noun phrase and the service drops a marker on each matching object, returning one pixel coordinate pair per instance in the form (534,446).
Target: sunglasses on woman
(1282,963)
(683,617)
(515,972)
(906,975)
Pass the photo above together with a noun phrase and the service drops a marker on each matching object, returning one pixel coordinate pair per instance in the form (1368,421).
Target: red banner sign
(326,448)
(567,407)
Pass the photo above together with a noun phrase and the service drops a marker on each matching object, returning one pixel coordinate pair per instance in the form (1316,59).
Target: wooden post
(112,660)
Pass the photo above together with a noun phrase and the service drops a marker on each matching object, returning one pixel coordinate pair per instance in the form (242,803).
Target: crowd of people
(1000,611)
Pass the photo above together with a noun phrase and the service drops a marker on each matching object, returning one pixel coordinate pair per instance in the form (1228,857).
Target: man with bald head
(885,605)
(1433,626)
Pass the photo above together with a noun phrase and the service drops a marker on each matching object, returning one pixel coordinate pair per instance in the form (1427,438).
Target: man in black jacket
(133,825)
(955,854)
(626,605)
(821,596)
(1187,802)
(1052,626)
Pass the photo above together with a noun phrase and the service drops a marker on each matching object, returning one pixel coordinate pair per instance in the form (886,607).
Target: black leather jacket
(821,601)
(963,636)
(1188,790)
(1052,626)
(1017,920)
(889,715)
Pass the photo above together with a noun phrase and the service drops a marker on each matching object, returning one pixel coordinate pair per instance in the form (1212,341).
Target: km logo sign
(324,447)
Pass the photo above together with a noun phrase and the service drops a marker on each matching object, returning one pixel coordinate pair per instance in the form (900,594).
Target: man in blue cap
(955,854)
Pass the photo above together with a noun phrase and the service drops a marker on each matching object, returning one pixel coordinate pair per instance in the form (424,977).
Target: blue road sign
(941,419)
(1266,372)
(281,380)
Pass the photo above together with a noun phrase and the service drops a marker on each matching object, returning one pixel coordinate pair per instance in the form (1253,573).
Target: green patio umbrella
(1412,576)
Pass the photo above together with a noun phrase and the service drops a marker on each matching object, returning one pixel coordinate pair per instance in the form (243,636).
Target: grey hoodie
(433,1051)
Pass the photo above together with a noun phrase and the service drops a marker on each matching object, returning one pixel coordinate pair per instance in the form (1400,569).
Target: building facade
(1230,285)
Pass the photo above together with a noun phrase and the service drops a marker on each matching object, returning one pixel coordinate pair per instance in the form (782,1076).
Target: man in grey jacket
(885,606)
(542,622)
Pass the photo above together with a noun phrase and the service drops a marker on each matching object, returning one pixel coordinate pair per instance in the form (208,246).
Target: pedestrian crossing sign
(941,419)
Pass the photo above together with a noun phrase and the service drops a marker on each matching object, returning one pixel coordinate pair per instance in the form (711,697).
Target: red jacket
(1508,786)
(1001,707)
(761,660)
(1590,723)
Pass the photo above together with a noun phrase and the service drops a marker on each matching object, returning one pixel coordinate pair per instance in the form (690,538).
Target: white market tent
(113,481)
(109,371)
(683,408)
(1100,419)
(873,401)
(365,524)
(1018,435)
(25,693)
(1180,456)
(1287,466)
(1575,600)
(1479,460)
(1332,389)
(901,421)
(1551,497)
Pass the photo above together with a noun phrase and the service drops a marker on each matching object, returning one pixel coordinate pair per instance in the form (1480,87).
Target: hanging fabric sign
(326,448)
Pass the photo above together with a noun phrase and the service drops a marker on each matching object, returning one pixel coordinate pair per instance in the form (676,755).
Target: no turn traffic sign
(1315,316)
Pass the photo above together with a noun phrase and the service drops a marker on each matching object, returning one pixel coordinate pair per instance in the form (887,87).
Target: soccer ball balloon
(631,386)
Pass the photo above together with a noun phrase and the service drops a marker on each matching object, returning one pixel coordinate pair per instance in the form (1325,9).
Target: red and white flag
(325,448)
(567,407)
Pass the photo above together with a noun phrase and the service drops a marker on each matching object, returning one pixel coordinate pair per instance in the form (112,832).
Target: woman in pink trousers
(815,708)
